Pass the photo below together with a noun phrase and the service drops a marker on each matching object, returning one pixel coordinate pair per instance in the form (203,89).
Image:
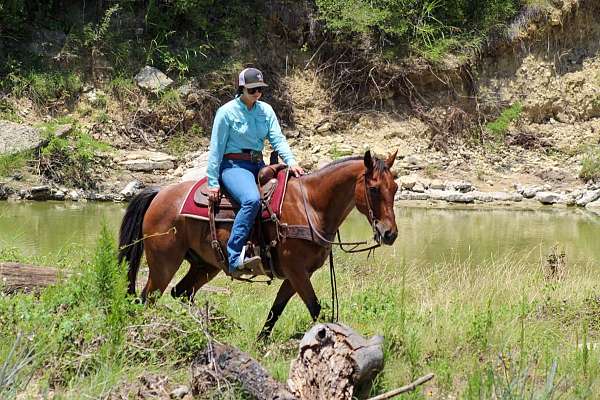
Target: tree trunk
(334,363)
(26,277)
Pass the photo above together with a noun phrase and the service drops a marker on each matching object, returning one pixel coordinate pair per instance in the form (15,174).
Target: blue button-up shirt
(236,128)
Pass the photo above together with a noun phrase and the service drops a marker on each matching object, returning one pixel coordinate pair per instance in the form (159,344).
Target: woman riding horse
(235,155)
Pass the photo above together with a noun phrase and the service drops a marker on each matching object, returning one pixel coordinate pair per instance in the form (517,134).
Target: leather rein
(322,237)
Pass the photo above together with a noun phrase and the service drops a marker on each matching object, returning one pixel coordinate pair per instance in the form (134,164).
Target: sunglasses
(254,90)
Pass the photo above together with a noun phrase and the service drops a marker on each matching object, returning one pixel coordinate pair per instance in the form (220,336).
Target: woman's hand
(297,170)
(213,194)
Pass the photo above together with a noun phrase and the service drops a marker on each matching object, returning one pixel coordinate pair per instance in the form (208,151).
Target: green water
(425,234)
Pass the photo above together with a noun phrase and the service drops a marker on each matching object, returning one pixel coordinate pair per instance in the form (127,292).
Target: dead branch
(404,389)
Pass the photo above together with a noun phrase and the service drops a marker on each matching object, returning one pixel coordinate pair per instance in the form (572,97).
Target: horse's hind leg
(285,293)
(200,272)
(162,267)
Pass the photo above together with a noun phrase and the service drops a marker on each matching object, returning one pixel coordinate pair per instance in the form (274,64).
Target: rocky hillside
(521,112)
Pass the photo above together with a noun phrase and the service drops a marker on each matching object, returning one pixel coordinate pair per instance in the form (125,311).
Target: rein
(335,304)
(324,240)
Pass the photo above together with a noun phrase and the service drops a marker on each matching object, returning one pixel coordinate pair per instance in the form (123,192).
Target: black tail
(131,231)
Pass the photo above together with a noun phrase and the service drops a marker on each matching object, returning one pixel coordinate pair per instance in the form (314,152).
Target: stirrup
(251,266)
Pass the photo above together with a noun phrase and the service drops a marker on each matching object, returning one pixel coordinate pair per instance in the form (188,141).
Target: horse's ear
(368,160)
(390,160)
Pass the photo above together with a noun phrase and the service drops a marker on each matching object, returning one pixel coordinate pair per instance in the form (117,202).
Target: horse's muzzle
(386,235)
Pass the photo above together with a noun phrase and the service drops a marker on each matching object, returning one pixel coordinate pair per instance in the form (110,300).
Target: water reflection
(425,234)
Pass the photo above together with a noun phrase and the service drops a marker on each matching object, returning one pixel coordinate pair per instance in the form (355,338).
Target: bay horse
(322,199)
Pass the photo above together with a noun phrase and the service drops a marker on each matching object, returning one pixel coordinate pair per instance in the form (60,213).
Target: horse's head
(374,197)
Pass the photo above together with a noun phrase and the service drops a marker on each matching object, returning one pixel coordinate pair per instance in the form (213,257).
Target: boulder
(460,186)
(588,197)
(196,168)
(131,189)
(152,79)
(15,138)
(548,197)
(407,182)
(147,161)
(40,193)
(437,184)
(593,205)
(528,191)
(408,195)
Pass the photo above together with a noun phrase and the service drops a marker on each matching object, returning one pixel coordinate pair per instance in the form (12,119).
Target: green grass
(8,112)
(499,329)
(46,87)
(500,125)
(590,165)
(11,163)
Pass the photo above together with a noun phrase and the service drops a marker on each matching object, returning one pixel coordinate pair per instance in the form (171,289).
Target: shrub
(500,125)
(46,87)
(590,166)
(70,160)
(10,163)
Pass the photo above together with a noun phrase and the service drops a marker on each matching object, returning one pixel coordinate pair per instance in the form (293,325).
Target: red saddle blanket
(200,211)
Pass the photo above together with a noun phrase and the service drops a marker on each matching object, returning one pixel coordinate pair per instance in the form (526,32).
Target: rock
(179,392)
(418,187)
(451,196)
(40,193)
(131,189)
(437,184)
(147,161)
(198,168)
(19,137)
(58,194)
(324,128)
(407,182)
(291,133)
(496,196)
(547,197)
(588,197)
(152,79)
(73,195)
(529,191)
(408,195)
(595,205)
(461,186)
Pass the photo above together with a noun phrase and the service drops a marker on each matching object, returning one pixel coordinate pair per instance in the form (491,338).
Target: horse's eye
(373,190)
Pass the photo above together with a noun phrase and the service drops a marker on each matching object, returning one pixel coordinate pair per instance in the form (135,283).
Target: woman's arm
(277,139)
(218,141)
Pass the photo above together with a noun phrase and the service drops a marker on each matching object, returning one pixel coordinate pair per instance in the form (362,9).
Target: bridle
(355,245)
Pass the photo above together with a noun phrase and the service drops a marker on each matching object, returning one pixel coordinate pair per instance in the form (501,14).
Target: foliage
(70,160)
(10,163)
(500,125)
(590,165)
(430,25)
(45,87)
(8,112)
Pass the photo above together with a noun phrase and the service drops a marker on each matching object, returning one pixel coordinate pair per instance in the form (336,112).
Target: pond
(429,235)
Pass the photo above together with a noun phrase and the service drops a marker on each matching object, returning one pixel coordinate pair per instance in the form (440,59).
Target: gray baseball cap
(251,78)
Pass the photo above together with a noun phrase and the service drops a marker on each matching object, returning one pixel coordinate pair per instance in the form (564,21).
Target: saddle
(227,207)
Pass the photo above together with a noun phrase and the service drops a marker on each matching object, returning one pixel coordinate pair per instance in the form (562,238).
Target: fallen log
(334,362)
(27,277)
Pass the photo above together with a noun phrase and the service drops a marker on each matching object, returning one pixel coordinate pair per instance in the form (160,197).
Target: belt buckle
(256,156)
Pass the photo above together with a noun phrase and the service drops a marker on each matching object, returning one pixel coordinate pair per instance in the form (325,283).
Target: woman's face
(254,94)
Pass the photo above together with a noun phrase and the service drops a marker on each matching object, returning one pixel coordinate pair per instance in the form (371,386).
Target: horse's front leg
(300,281)
(285,293)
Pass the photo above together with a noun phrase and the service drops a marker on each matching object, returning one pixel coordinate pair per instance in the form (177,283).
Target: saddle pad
(190,209)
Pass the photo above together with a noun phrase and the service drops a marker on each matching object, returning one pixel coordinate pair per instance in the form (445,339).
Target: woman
(235,157)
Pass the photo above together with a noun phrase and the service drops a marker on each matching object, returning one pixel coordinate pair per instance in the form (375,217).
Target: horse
(321,200)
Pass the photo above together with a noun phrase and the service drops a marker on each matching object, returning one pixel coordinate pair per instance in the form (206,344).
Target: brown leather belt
(254,156)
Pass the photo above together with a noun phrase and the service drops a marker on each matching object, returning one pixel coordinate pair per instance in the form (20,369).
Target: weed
(11,163)
(102,117)
(46,87)
(590,165)
(8,112)
(170,99)
(122,88)
(69,160)
(431,170)
(500,125)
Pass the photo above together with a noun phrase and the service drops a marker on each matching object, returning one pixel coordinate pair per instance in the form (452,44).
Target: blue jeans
(238,177)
